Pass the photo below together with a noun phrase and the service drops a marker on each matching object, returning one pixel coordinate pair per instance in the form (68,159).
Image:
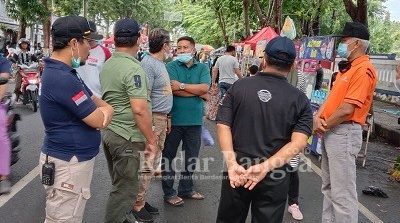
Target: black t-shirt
(263,111)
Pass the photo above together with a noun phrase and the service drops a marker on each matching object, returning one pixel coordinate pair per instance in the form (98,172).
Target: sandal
(174,201)
(194,195)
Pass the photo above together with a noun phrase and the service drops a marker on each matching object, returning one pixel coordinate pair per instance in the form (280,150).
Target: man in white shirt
(229,72)
(98,56)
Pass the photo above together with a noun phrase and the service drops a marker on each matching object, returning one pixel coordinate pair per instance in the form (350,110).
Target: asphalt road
(27,206)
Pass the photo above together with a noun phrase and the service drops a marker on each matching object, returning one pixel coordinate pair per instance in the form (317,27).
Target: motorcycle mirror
(3,81)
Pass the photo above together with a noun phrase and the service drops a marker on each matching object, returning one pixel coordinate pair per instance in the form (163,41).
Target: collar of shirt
(125,55)
(59,65)
(359,60)
(266,74)
(56,64)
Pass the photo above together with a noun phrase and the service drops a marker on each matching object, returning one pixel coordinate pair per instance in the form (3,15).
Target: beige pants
(66,199)
(160,123)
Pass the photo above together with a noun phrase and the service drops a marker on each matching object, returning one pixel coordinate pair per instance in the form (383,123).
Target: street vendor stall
(253,48)
(315,60)
(267,33)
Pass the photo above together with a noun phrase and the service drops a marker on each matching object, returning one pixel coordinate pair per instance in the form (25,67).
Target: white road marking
(35,172)
(367,213)
(19,185)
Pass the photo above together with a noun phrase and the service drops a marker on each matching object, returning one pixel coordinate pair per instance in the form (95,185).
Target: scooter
(30,84)
(12,119)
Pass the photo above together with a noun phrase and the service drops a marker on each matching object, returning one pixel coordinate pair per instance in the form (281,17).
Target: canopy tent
(267,33)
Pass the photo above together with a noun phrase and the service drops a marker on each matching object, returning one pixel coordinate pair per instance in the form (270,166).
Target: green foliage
(201,23)
(26,11)
(201,20)
(218,21)
(68,7)
(151,11)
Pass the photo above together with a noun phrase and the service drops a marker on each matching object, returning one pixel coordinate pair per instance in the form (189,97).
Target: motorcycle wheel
(33,96)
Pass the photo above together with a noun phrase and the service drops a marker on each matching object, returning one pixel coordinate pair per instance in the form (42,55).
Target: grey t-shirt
(159,84)
(226,66)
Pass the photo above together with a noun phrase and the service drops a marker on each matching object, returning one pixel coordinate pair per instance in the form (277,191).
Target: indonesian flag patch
(79,98)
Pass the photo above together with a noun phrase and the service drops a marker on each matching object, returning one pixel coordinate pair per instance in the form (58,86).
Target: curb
(392,136)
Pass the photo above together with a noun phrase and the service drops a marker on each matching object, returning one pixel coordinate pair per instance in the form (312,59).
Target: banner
(318,47)
(260,48)
(247,50)
(310,65)
(289,29)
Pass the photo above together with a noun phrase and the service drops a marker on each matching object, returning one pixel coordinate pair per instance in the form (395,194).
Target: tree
(383,32)
(67,7)
(357,12)
(246,5)
(46,25)
(277,21)
(221,21)
(106,12)
(85,8)
(27,12)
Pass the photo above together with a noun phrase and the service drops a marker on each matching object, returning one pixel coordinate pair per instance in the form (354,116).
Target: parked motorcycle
(12,119)
(30,84)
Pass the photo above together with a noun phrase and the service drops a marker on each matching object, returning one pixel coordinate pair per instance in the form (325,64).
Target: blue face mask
(342,50)
(184,57)
(75,62)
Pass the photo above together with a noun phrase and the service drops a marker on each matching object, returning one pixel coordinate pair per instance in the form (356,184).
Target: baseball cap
(93,31)
(126,28)
(70,27)
(356,30)
(282,49)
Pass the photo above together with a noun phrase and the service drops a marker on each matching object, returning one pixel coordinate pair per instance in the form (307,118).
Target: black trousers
(267,199)
(293,187)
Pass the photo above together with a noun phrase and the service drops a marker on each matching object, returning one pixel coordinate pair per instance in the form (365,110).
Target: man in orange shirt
(339,121)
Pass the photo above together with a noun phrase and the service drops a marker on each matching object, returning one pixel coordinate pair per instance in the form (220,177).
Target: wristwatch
(182,86)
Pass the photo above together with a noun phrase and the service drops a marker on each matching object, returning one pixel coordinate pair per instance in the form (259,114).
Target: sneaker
(295,211)
(150,209)
(5,187)
(142,216)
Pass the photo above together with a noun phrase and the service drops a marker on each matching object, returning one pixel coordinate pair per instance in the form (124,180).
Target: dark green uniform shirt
(121,79)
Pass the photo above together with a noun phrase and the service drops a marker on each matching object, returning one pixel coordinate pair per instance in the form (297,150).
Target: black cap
(94,35)
(356,30)
(70,27)
(126,28)
(282,49)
